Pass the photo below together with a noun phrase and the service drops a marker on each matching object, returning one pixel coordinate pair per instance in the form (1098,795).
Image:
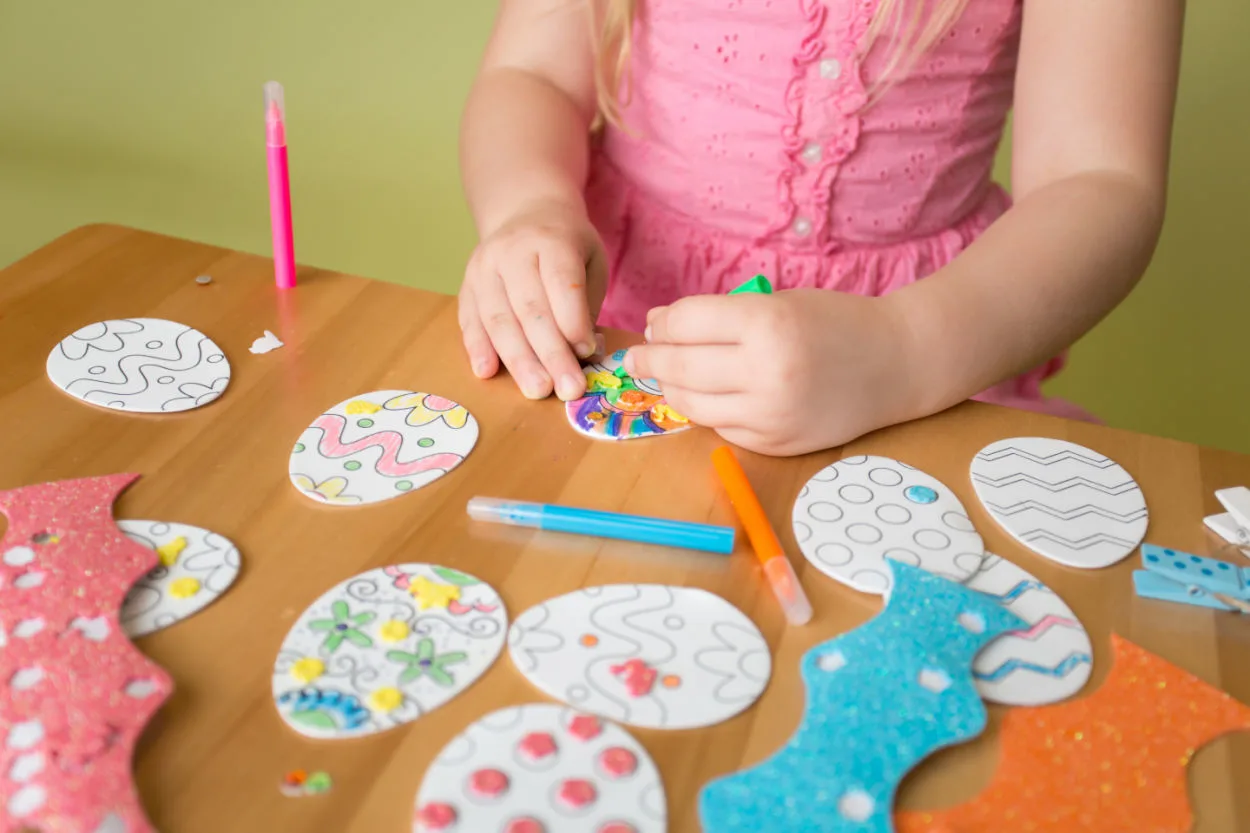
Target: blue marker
(691,536)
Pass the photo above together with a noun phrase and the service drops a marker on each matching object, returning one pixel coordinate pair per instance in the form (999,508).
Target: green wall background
(148,113)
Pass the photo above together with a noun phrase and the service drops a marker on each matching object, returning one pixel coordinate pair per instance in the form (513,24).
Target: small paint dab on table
(204,280)
(299,782)
(318,783)
(293,783)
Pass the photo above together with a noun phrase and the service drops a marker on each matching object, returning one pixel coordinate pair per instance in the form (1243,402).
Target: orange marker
(764,541)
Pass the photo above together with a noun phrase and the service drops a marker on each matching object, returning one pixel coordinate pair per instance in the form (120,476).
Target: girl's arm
(523,152)
(809,369)
(1095,92)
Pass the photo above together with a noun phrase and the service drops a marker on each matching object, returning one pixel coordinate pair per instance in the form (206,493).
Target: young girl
(842,148)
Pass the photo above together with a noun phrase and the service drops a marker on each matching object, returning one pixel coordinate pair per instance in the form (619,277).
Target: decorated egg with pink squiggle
(380,445)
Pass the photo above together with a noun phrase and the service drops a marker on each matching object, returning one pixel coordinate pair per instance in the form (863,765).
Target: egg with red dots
(542,769)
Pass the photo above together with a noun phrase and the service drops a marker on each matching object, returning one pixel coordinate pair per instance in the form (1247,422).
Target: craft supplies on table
(279,187)
(1233,525)
(777,569)
(299,783)
(681,534)
(1175,576)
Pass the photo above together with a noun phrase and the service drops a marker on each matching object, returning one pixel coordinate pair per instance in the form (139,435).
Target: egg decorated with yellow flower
(385,647)
(380,445)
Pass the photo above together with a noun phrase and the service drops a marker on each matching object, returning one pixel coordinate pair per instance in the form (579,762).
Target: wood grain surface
(212,759)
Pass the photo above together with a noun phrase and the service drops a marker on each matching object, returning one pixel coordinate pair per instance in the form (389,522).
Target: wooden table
(212,759)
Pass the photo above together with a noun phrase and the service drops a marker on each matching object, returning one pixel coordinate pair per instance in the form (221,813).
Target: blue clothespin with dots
(1175,576)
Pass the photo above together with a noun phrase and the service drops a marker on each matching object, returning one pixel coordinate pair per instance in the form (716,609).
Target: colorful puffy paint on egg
(648,655)
(618,406)
(383,648)
(380,445)
(590,775)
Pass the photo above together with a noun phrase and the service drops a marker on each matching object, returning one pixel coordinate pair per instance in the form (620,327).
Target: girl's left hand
(783,374)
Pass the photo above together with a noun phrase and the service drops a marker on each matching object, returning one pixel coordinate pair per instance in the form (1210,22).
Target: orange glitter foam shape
(1112,761)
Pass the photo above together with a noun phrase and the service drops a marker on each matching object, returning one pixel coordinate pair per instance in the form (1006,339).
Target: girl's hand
(783,374)
(524,299)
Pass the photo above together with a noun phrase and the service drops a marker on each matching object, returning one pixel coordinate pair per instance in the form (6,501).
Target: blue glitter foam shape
(880,699)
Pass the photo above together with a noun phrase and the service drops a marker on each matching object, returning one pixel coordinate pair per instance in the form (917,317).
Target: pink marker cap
(275,114)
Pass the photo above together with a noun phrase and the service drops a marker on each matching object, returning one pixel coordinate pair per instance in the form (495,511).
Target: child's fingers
(700,319)
(533,310)
(564,276)
(508,337)
(713,410)
(706,368)
(482,356)
(750,440)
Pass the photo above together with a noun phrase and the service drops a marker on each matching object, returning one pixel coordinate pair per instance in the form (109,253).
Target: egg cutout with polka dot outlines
(853,515)
(542,769)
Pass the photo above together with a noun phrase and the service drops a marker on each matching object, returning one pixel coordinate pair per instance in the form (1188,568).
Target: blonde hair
(912,26)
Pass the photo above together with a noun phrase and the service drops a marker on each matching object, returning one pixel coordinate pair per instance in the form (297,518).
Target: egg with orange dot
(647,655)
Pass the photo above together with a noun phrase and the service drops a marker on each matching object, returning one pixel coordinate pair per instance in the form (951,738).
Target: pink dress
(748,149)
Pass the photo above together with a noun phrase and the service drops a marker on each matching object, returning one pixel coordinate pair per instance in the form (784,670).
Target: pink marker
(279,187)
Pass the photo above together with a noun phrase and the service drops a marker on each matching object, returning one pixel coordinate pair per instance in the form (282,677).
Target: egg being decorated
(618,406)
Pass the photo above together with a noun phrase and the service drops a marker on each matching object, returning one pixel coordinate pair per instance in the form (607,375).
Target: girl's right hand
(524,299)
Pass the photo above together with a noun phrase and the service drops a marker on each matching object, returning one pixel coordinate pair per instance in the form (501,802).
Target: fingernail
(629,363)
(535,388)
(585,349)
(479,369)
(570,387)
(646,334)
